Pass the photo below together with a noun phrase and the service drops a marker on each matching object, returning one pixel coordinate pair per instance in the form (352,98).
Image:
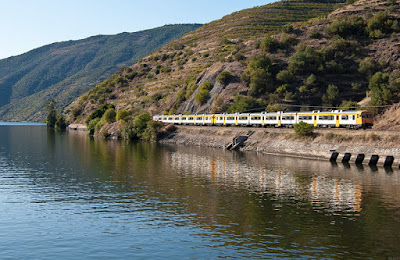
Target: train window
(170,118)
(354,117)
(345,117)
(305,117)
(288,118)
(221,118)
(199,118)
(326,117)
(255,118)
(190,118)
(183,118)
(242,117)
(230,118)
(367,116)
(270,118)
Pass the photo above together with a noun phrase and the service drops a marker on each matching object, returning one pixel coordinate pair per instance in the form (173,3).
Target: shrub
(368,67)
(343,28)
(178,46)
(349,105)
(311,81)
(274,108)
(239,57)
(287,40)
(303,129)
(356,87)
(122,115)
(202,95)
(98,113)
(76,111)
(288,28)
(305,59)
(142,127)
(180,95)
(284,76)
(382,23)
(91,126)
(109,115)
(331,97)
(314,34)
(243,103)
(224,77)
(270,44)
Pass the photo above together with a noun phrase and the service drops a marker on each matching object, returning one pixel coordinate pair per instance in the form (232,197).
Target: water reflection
(207,202)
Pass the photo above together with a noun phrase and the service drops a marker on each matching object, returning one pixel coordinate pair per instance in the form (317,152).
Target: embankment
(285,142)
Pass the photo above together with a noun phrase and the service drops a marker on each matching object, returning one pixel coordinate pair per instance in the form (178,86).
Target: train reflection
(334,188)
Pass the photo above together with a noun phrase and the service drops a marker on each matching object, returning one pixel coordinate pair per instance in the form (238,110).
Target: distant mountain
(65,70)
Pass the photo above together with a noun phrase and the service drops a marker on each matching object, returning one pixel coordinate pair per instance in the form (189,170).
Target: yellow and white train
(334,118)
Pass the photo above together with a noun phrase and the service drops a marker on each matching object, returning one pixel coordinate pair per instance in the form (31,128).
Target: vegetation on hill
(274,55)
(63,71)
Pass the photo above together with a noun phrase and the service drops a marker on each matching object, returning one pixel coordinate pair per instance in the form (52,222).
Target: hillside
(303,53)
(65,70)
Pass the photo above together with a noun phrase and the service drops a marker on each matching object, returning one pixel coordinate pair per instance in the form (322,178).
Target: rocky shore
(285,142)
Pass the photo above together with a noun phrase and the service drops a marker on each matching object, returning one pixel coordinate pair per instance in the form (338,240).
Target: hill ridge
(74,66)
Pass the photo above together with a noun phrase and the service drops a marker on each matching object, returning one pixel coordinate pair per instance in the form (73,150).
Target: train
(354,119)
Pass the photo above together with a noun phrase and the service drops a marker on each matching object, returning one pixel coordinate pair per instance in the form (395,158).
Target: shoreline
(282,141)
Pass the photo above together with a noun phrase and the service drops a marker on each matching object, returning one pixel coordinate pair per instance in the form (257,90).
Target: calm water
(66,196)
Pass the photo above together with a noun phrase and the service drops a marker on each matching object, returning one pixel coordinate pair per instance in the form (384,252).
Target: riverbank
(285,142)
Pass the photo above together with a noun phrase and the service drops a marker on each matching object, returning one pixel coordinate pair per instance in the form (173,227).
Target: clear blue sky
(28,24)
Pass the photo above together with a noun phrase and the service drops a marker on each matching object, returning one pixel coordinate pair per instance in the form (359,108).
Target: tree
(381,93)
(242,103)
(61,124)
(52,114)
(368,67)
(331,97)
(259,75)
(305,59)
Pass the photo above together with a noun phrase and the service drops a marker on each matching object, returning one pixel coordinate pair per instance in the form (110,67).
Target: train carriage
(256,119)
(243,119)
(230,119)
(288,119)
(220,119)
(272,119)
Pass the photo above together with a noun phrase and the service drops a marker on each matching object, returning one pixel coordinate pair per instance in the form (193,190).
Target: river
(68,196)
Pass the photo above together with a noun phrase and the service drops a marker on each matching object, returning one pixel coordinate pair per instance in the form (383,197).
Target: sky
(28,24)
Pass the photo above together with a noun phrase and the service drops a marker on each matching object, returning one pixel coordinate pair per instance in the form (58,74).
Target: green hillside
(65,70)
(304,53)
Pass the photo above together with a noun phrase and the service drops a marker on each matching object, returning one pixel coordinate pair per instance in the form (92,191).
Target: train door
(337,121)
(213,120)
